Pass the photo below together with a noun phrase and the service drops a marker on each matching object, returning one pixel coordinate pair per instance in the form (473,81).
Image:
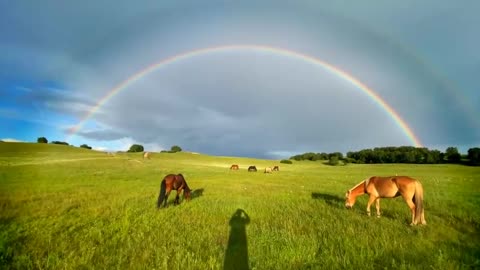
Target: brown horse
(252,169)
(176,182)
(390,187)
(234,167)
(275,168)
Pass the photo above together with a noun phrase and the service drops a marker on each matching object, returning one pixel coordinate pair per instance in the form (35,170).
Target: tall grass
(62,207)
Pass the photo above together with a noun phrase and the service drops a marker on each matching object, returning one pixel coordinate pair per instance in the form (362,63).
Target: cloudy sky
(60,59)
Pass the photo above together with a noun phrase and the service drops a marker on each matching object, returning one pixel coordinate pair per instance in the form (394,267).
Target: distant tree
(135,148)
(175,149)
(59,142)
(452,155)
(474,155)
(333,160)
(85,146)
(286,161)
(42,140)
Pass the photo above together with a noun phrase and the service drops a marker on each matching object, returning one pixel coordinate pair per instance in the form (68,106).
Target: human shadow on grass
(236,255)
(331,200)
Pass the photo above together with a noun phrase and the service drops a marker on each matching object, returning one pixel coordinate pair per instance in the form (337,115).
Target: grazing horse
(252,169)
(268,170)
(234,167)
(390,187)
(276,168)
(146,155)
(176,182)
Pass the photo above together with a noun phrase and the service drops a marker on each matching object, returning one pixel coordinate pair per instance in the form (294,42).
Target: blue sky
(59,59)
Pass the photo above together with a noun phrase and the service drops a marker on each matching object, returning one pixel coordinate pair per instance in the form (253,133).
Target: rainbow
(256,48)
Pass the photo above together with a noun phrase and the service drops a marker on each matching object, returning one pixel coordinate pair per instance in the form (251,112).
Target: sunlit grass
(91,210)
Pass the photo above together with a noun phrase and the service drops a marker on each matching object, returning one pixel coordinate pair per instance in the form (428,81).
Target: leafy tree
(175,149)
(42,140)
(474,155)
(135,148)
(333,160)
(452,155)
(286,161)
(85,146)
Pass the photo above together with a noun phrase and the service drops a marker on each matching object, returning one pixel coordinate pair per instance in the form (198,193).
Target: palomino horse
(268,170)
(176,182)
(390,187)
(275,168)
(146,155)
(234,167)
(252,169)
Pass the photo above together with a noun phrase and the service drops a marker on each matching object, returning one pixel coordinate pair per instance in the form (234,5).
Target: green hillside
(70,208)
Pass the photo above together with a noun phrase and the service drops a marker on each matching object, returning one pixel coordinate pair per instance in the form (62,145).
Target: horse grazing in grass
(176,182)
(146,155)
(234,167)
(268,170)
(390,187)
(252,169)
(275,168)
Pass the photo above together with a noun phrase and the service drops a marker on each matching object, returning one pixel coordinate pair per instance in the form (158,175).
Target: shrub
(286,161)
(85,146)
(42,140)
(58,142)
(333,161)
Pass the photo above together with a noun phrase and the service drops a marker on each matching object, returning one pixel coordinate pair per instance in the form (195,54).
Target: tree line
(133,148)
(392,154)
(402,154)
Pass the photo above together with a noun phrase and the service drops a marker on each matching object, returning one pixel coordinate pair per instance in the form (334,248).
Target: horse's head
(349,199)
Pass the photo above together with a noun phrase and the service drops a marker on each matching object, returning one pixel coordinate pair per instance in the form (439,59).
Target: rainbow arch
(256,48)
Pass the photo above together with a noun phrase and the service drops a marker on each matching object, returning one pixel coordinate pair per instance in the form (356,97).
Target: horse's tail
(418,201)
(161,196)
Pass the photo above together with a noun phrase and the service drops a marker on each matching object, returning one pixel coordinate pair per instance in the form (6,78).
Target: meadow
(68,208)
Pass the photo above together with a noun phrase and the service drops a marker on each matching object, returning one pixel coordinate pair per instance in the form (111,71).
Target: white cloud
(10,140)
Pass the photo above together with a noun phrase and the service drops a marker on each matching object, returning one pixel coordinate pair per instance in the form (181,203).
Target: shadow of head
(196,193)
(332,200)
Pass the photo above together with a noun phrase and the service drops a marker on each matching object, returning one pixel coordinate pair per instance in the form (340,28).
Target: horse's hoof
(378,216)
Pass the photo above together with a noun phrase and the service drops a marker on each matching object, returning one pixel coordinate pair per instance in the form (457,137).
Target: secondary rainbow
(256,48)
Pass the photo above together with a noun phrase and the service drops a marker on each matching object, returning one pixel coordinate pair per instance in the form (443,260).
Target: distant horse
(390,187)
(176,182)
(146,155)
(252,169)
(268,170)
(275,168)
(234,167)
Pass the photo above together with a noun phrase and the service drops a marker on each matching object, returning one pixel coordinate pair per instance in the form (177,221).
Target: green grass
(68,208)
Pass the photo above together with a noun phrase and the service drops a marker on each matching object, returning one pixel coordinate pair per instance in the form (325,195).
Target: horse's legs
(422,220)
(166,197)
(377,204)
(177,198)
(408,200)
(370,201)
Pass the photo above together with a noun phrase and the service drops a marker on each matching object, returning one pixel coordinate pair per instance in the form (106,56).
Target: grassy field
(68,208)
